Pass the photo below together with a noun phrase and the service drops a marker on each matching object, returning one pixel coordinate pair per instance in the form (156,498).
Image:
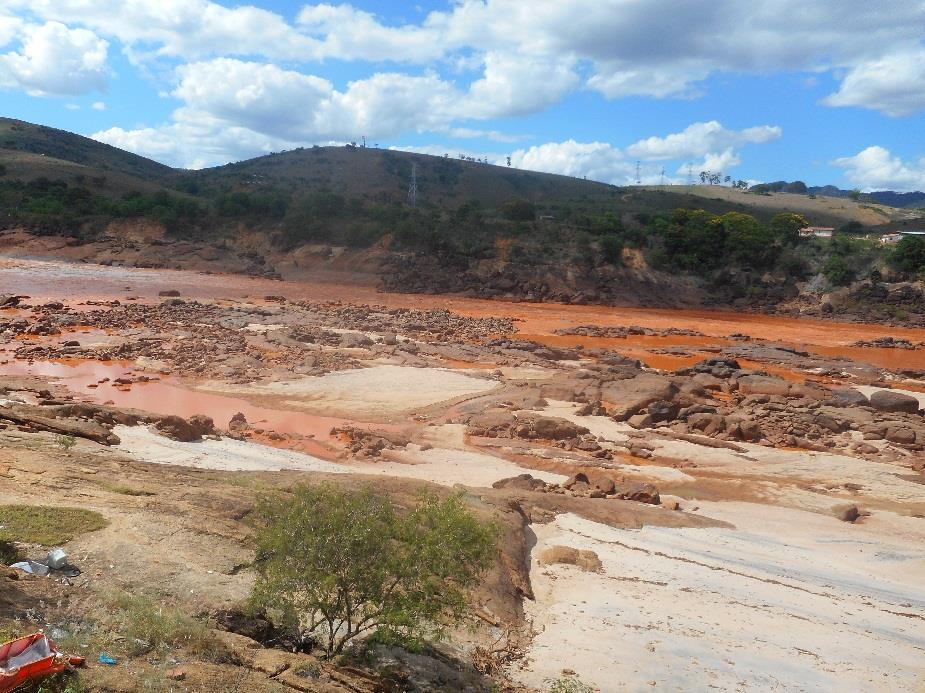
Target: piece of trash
(31,658)
(57,559)
(31,567)
(107,659)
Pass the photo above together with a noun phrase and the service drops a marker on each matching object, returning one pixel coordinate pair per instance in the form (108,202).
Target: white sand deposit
(443,466)
(375,392)
(225,454)
(787,600)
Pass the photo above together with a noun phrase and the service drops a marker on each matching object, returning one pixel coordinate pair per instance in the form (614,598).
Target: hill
(30,150)
(477,228)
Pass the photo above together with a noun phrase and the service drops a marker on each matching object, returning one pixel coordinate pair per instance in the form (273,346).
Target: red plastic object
(31,658)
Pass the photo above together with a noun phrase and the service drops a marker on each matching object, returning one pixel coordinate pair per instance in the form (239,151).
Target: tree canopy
(336,564)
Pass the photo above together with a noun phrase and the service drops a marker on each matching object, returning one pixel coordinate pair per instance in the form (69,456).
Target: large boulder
(583,558)
(763,385)
(641,493)
(848,397)
(521,482)
(178,428)
(888,400)
(553,428)
(625,398)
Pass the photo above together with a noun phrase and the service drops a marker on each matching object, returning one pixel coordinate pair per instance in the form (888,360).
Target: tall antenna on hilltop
(413,188)
(663,176)
(638,179)
(690,174)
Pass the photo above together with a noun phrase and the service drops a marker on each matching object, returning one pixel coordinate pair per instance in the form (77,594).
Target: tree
(517,209)
(786,227)
(855,194)
(838,271)
(612,248)
(336,564)
(909,254)
(748,242)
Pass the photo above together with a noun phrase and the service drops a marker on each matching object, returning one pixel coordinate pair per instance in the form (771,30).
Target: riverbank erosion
(718,499)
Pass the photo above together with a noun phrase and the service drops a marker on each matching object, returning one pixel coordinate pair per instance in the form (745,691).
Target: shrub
(909,254)
(612,248)
(838,271)
(336,564)
(517,209)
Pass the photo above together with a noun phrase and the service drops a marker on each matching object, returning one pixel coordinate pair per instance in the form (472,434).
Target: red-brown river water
(75,283)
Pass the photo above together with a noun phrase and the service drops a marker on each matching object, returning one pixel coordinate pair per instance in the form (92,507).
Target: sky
(830,92)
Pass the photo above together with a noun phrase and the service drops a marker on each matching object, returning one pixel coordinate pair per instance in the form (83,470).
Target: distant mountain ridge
(890,198)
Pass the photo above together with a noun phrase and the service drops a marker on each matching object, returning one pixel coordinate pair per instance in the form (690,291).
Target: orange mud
(537,321)
(166,397)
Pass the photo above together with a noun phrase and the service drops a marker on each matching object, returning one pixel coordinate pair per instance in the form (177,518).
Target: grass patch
(125,490)
(9,553)
(47,526)
(151,625)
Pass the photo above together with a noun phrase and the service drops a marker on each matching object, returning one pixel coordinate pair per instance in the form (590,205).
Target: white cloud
(262,98)
(345,32)
(893,84)
(875,168)
(98,106)
(596,160)
(183,28)
(10,27)
(55,60)
(514,85)
(700,140)
(658,48)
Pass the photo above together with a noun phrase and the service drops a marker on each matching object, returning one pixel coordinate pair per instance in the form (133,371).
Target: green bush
(838,271)
(909,254)
(612,248)
(517,209)
(336,564)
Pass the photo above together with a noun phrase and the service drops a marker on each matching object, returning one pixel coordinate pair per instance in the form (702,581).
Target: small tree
(909,254)
(517,209)
(337,564)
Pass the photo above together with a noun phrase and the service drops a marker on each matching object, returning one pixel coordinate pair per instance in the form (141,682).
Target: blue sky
(832,92)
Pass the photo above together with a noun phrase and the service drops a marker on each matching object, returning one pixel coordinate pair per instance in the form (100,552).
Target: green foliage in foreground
(37,524)
(336,564)
(909,254)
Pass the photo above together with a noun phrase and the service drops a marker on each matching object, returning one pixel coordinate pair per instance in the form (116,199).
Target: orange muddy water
(88,380)
(44,280)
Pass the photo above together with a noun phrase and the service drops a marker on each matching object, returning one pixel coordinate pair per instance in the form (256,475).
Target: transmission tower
(663,176)
(690,174)
(413,188)
(638,179)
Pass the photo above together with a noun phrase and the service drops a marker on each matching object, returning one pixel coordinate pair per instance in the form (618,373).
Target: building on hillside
(817,231)
(894,237)
(891,238)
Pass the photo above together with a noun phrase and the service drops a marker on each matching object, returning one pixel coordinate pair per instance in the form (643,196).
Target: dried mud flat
(756,507)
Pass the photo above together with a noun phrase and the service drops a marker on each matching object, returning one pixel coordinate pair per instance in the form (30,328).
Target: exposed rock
(178,428)
(848,397)
(846,513)
(641,493)
(168,293)
(584,559)
(521,482)
(763,385)
(887,400)
(47,420)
